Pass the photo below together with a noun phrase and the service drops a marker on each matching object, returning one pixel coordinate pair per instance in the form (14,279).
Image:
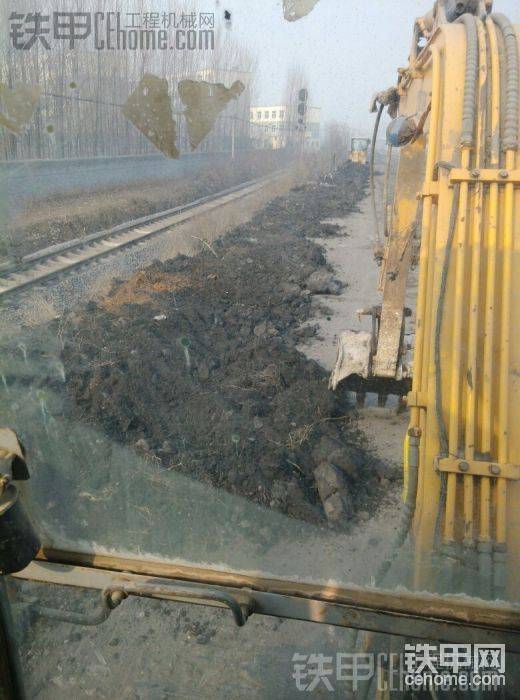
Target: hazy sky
(349,48)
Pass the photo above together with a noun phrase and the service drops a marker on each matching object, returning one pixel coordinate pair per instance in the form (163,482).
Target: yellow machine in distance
(358,150)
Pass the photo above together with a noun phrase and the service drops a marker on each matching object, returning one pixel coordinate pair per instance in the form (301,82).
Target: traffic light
(302,107)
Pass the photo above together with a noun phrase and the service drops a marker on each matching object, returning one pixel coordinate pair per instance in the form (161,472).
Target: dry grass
(62,217)
(141,286)
(299,436)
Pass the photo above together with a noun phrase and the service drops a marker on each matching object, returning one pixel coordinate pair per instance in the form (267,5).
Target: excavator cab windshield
(239,457)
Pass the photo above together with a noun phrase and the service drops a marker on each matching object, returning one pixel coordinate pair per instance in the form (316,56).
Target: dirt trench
(194,362)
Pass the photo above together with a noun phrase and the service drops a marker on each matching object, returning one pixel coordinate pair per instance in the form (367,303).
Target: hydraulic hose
(510,140)
(470,79)
(467,140)
(372,173)
(510,145)
(443,434)
(386,187)
(405,521)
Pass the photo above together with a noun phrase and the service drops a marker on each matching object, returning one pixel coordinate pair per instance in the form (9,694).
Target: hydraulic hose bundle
(462,444)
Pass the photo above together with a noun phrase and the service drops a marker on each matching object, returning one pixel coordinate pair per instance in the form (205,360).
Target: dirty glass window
(191,292)
(177,650)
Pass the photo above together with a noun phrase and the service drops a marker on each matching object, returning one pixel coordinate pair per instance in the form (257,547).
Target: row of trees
(337,138)
(78,113)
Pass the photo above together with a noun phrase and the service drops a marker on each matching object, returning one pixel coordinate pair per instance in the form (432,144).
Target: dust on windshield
(187,255)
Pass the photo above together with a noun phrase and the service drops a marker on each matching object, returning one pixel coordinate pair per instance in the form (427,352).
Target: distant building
(271,128)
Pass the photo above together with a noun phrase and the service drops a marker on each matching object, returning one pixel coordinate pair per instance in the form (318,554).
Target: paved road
(32,178)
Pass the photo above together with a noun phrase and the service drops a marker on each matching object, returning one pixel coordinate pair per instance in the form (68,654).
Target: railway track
(65,257)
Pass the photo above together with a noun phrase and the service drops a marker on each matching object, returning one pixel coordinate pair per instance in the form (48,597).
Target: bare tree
(79,112)
(337,137)
(296,80)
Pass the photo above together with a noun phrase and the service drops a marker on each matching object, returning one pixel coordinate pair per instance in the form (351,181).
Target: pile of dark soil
(194,361)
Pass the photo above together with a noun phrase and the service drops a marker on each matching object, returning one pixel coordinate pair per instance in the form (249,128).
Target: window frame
(421,615)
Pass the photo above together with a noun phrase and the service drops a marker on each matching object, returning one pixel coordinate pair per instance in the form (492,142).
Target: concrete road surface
(35,179)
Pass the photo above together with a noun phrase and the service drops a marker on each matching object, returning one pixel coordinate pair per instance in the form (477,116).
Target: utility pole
(233,121)
(303,95)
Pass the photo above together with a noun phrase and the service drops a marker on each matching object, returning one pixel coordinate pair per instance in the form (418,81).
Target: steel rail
(64,257)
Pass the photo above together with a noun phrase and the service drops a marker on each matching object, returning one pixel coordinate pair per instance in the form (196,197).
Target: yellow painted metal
(458,310)
(487,175)
(480,326)
(469,492)
(505,380)
(488,363)
(406,466)
(491,244)
(485,506)
(433,208)
(415,166)
(451,509)
(417,413)
(398,256)
(473,388)
(478,467)
(501,524)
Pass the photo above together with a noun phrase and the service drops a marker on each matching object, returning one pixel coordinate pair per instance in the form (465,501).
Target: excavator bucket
(353,357)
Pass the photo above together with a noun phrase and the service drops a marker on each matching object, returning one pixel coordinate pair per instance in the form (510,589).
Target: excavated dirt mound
(194,361)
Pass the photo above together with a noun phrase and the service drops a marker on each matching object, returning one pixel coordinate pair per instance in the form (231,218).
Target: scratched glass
(183,243)
(178,650)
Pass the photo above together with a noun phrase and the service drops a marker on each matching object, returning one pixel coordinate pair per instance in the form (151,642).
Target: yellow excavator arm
(455,120)
(465,398)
